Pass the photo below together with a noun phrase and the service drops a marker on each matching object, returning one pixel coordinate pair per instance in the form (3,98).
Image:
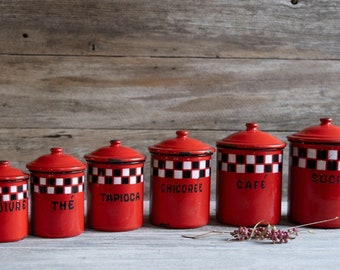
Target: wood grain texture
(218,28)
(165,93)
(155,248)
(77,74)
(80,103)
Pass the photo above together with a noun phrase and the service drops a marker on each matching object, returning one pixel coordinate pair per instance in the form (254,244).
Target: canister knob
(251,126)
(326,121)
(182,133)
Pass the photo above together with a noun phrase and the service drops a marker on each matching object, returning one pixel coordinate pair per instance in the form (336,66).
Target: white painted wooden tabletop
(156,248)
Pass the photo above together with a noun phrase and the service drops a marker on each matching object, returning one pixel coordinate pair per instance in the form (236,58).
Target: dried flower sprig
(277,236)
(259,232)
(203,235)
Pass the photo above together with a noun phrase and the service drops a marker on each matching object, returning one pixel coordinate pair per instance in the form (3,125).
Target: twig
(314,223)
(203,234)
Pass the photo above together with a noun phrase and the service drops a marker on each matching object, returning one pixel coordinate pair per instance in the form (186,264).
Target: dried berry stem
(314,223)
(203,234)
(277,236)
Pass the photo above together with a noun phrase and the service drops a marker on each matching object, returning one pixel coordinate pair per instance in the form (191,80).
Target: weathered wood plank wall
(79,73)
(243,29)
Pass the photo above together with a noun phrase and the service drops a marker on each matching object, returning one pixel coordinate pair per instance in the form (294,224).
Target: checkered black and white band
(315,159)
(115,176)
(268,163)
(180,169)
(57,185)
(13,193)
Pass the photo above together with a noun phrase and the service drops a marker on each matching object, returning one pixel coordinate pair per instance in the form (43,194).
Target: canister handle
(326,121)
(182,133)
(251,126)
(115,143)
(4,163)
(56,150)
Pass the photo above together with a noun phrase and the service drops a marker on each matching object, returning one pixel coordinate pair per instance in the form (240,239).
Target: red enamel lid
(8,173)
(251,138)
(323,133)
(182,145)
(56,161)
(115,153)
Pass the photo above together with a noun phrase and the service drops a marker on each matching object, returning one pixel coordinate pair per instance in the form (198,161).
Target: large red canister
(57,194)
(180,182)
(13,203)
(314,175)
(115,188)
(249,178)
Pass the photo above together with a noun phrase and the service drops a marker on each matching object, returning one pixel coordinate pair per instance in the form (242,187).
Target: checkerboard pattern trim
(13,193)
(180,169)
(238,163)
(116,176)
(57,185)
(314,159)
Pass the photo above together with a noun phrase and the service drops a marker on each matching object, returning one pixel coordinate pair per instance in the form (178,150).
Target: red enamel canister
(314,175)
(249,178)
(180,182)
(13,203)
(115,188)
(57,193)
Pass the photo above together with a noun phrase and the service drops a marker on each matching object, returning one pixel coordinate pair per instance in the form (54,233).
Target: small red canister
(13,203)
(314,175)
(115,188)
(57,192)
(249,178)
(180,182)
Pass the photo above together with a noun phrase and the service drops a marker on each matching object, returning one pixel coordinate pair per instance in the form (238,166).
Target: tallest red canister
(314,175)
(180,182)
(249,177)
